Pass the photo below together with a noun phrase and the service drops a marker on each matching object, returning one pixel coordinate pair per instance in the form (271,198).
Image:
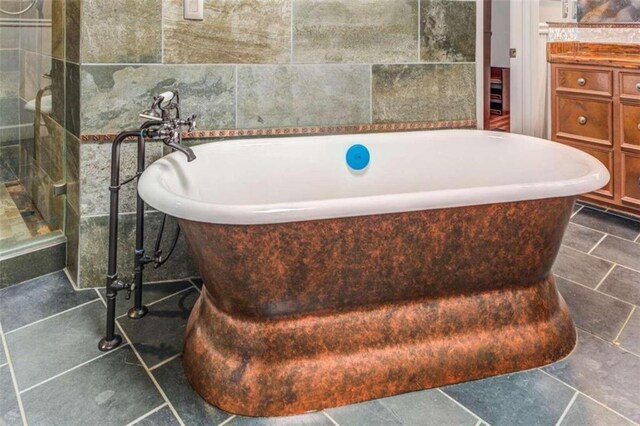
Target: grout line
(153,379)
(144,416)
(576,212)
(479,422)
(4,365)
(227,420)
(462,406)
(144,366)
(371,93)
(102,355)
(566,410)
(587,396)
(291,35)
(637,240)
(597,291)
(602,258)
(166,361)
(330,418)
(52,316)
(195,286)
(605,276)
(598,243)
(419,28)
(615,339)
(13,377)
(621,348)
(237,68)
(273,65)
(27,281)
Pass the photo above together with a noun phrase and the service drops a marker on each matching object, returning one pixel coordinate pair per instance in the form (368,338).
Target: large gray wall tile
(404,93)
(72,30)
(95,175)
(448,31)
(122,31)
(383,31)
(256,32)
(94,244)
(113,96)
(273,96)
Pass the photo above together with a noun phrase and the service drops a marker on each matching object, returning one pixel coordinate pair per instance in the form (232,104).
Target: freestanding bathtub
(324,286)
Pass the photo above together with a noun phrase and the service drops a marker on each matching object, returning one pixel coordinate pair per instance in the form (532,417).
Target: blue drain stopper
(358,157)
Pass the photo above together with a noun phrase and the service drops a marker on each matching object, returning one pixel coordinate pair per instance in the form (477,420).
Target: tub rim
(155,193)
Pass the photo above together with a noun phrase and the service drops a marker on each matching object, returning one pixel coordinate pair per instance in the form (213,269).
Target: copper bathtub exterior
(301,316)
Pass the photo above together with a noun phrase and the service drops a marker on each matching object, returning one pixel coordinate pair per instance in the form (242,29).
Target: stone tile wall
(250,64)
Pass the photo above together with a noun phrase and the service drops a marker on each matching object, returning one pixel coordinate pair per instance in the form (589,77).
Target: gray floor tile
(113,389)
(630,337)
(190,407)
(581,238)
(371,413)
(594,312)
(9,410)
(39,298)
(430,407)
(623,252)
(609,223)
(151,293)
(311,419)
(604,372)
(527,398)
(159,335)
(580,267)
(624,284)
(162,417)
(585,412)
(50,347)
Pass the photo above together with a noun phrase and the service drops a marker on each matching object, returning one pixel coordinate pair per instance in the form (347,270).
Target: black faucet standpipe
(160,126)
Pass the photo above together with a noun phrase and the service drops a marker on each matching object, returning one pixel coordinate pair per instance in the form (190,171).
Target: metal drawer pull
(582,120)
(638,126)
(582,82)
(638,87)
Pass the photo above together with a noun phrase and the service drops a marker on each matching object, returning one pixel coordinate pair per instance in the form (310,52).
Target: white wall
(500,29)
(551,11)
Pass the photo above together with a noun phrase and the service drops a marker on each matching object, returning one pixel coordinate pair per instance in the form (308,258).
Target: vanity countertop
(618,55)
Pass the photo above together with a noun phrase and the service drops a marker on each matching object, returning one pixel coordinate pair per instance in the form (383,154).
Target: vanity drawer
(630,126)
(605,156)
(630,85)
(631,179)
(595,82)
(584,119)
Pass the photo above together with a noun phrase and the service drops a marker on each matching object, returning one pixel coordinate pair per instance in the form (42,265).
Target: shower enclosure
(32,139)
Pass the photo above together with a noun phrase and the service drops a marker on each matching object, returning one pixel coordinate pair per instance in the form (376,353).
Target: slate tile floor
(51,372)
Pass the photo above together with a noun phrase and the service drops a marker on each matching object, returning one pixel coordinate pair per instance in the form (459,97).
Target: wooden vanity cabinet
(597,109)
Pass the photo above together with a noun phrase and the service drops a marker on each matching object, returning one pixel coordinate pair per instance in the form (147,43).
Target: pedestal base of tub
(295,365)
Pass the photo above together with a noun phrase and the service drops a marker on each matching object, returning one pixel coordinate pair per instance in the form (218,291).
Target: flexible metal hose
(26,9)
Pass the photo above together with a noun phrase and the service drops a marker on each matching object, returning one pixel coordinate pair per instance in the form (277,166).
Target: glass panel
(32,145)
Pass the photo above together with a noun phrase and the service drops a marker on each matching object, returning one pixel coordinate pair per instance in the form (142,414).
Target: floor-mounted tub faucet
(163,123)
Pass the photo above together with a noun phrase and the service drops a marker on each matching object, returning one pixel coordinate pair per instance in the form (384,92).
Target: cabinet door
(584,119)
(631,179)
(630,126)
(630,85)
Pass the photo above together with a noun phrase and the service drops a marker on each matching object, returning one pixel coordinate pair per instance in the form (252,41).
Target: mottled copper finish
(308,315)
